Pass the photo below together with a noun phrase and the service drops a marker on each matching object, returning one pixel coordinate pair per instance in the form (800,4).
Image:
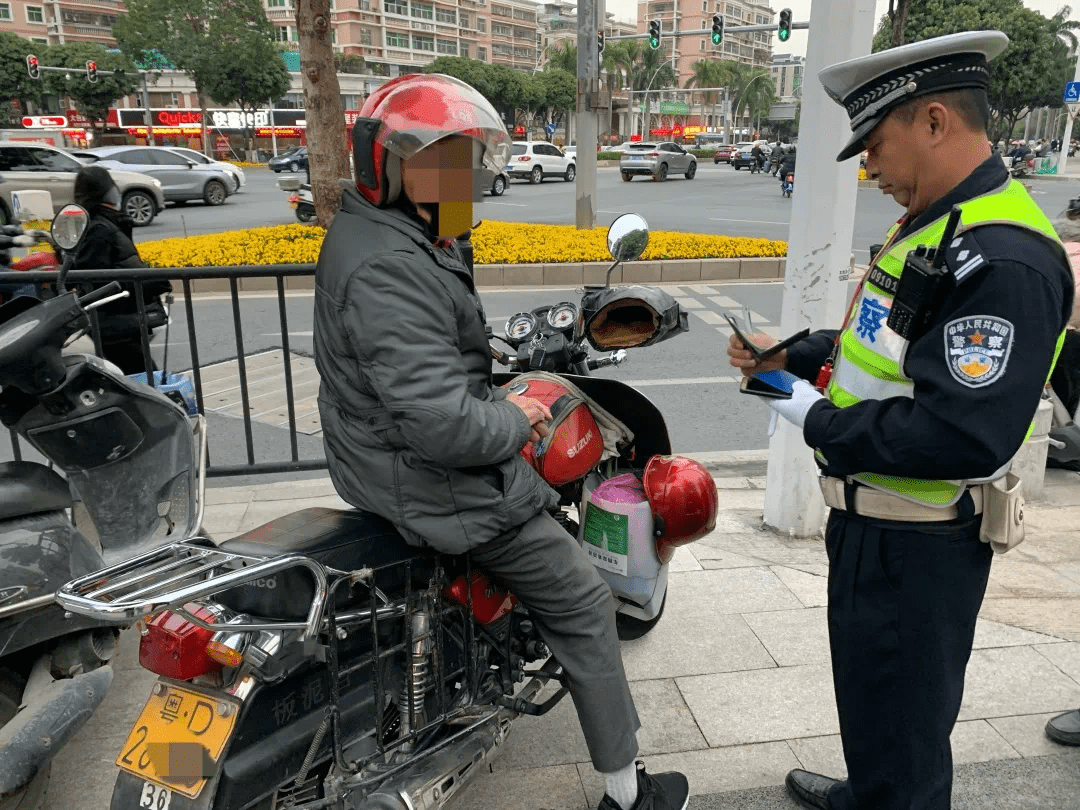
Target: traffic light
(654,34)
(600,43)
(717,29)
(32,67)
(783,28)
(91,71)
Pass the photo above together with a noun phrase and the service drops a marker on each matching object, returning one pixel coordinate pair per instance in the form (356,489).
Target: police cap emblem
(977,349)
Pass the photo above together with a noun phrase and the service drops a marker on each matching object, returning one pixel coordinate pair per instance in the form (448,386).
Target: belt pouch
(1003,513)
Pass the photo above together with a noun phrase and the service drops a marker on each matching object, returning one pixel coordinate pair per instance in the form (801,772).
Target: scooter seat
(345,540)
(27,488)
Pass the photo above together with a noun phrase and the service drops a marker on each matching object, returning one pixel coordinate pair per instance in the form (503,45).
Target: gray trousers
(575,613)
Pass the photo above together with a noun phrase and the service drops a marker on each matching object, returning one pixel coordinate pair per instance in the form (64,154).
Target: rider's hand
(741,358)
(536,412)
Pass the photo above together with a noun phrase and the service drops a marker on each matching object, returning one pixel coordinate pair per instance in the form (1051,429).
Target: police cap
(871,86)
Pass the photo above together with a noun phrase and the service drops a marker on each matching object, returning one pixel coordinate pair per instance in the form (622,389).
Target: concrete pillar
(819,245)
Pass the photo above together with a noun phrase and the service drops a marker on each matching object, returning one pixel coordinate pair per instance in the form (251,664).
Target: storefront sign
(228,120)
(281,132)
(691,130)
(44,121)
(77,119)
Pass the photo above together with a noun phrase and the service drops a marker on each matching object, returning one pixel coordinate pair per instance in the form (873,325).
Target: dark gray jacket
(411,426)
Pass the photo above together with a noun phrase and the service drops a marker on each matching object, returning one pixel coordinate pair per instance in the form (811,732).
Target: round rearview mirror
(628,237)
(69,226)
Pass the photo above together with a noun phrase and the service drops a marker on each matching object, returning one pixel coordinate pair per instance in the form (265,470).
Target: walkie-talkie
(922,287)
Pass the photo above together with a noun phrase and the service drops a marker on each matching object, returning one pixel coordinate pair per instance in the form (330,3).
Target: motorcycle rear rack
(169,577)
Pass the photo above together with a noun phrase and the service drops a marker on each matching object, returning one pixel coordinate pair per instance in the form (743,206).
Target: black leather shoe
(810,789)
(1065,728)
(662,791)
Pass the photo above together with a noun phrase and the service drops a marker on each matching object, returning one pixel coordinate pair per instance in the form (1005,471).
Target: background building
(787,74)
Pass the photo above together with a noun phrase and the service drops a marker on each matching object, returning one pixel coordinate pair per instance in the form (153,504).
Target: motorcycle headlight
(562,316)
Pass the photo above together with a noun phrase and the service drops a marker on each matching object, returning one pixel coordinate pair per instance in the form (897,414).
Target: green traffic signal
(717,29)
(654,34)
(783,28)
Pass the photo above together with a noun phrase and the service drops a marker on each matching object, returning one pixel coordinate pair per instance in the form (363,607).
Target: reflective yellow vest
(870,365)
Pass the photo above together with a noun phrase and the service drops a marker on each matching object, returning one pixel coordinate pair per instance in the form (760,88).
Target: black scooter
(134,467)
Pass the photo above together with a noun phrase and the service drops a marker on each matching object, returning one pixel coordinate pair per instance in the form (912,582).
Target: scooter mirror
(69,226)
(628,237)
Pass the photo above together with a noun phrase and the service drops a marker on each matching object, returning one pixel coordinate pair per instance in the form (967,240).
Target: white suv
(536,160)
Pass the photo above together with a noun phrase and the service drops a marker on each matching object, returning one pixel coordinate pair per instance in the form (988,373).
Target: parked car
(658,160)
(723,154)
(26,166)
(182,180)
(570,151)
(293,159)
(534,160)
(622,147)
(232,170)
(492,183)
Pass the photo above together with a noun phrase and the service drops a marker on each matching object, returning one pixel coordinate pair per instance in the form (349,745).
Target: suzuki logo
(577,448)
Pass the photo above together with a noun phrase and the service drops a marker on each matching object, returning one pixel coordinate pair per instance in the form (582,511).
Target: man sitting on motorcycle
(787,166)
(414,430)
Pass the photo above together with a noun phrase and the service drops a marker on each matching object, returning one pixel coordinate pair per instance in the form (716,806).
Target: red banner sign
(44,121)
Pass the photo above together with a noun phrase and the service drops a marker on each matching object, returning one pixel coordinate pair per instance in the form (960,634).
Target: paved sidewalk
(733,685)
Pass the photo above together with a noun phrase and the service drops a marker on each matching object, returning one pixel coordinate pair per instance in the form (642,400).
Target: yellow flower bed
(280,244)
(862,174)
(493,243)
(244,164)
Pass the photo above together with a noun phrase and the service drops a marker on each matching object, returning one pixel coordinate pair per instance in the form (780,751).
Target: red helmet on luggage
(682,495)
(412,112)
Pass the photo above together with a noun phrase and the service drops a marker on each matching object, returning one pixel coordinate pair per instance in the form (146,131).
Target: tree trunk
(328,154)
(206,150)
(899,21)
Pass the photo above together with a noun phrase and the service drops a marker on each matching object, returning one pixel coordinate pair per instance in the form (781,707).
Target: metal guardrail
(185,276)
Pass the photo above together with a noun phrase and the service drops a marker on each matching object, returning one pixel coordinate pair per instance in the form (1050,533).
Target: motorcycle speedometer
(562,316)
(521,327)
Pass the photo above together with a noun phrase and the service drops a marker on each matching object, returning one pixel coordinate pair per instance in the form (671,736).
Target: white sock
(622,786)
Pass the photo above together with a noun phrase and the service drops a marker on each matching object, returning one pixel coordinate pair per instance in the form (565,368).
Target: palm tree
(563,55)
(707,73)
(648,69)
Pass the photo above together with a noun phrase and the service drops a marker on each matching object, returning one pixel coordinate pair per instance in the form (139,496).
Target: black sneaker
(662,791)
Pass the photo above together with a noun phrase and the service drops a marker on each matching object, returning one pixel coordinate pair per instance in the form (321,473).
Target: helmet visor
(428,108)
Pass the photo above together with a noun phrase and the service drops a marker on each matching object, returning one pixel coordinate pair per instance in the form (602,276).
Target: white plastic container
(617,535)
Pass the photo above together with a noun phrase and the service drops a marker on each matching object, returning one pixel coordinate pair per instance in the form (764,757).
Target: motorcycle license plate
(178,735)
(293,204)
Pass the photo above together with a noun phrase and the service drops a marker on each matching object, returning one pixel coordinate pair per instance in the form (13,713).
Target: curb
(563,275)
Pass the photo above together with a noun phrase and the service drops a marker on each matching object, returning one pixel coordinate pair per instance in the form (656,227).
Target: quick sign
(44,121)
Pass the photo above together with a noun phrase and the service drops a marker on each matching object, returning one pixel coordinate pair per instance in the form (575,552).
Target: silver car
(657,160)
(27,166)
(234,171)
(182,180)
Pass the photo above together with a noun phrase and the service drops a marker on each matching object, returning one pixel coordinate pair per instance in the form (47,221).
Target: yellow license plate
(293,205)
(178,738)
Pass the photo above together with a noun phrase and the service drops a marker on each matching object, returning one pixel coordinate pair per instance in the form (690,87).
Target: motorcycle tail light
(175,648)
(294,199)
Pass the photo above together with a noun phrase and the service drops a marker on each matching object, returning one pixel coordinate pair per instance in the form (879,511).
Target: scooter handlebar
(112,288)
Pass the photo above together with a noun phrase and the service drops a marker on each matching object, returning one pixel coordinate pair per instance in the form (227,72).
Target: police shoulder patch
(964,256)
(977,349)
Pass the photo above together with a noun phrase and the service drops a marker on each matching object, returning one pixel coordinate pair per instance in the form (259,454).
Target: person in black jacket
(787,166)
(107,245)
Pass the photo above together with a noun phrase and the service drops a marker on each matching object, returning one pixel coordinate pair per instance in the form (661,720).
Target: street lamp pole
(739,100)
(645,103)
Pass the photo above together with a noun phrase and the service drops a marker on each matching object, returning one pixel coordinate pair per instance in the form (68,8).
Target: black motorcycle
(320,661)
(129,455)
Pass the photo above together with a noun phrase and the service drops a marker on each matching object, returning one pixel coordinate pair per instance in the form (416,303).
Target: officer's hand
(537,413)
(741,358)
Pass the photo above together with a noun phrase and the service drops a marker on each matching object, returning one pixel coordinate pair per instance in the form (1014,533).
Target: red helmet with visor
(412,112)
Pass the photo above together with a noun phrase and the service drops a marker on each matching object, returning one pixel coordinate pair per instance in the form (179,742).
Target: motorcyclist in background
(107,245)
(777,157)
(414,430)
(787,166)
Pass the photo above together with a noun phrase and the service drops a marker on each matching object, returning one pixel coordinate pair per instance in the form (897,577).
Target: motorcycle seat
(27,488)
(346,540)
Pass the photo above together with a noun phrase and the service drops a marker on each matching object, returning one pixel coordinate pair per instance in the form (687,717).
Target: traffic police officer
(908,427)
